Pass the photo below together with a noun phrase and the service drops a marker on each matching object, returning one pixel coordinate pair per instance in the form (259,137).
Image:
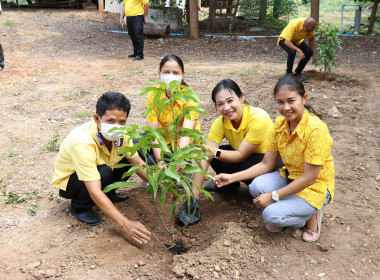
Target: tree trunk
(263,9)
(276,8)
(194,20)
(211,14)
(314,13)
(373,16)
(157,30)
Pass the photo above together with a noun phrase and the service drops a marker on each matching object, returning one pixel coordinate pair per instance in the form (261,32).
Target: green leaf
(172,173)
(118,185)
(132,170)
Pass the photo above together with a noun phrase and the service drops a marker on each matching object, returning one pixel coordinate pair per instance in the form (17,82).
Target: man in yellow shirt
(292,41)
(85,165)
(136,12)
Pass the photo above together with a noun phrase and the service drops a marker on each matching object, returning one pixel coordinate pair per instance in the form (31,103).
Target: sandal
(310,235)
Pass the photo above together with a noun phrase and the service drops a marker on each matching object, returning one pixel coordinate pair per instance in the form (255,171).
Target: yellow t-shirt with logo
(81,152)
(165,117)
(134,7)
(255,127)
(294,32)
(310,142)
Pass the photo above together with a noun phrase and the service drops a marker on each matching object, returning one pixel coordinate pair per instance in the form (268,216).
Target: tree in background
(194,19)
(314,11)
(373,13)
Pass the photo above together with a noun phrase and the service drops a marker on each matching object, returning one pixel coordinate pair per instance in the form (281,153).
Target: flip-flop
(310,235)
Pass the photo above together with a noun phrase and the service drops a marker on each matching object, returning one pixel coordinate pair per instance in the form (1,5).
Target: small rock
(136,265)
(216,274)
(378,178)
(92,267)
(226,243)
(217,268)
(99,231)
(140,263)
(192,271)
(50,273)
(161,40)
(31,266)
(178,271)
(334,112)
(322,248)
(321,274)
(262,259)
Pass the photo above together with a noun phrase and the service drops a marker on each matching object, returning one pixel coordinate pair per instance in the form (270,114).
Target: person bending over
(85,166)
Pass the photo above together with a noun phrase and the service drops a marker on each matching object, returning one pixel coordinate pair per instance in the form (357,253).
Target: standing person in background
(292,41)
(136,12)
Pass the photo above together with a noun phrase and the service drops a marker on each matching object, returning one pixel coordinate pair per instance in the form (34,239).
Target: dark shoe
(131,55)
(138,57)
(289,74)
(185,217)
(114,197)
(300,76)
(211,187)
(86,216)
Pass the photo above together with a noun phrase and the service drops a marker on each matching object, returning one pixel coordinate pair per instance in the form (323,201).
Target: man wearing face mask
(85,166)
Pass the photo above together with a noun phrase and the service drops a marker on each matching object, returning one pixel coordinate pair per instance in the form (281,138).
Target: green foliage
(85,114)
(52,145)
(328,43)
(166,181)
(32,208)
(12,23)
(15,198)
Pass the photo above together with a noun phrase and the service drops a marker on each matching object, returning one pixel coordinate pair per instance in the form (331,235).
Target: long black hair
(294,84)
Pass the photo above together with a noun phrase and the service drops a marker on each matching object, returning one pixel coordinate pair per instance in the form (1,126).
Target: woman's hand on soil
(222,179)
(263,200)
(136,231)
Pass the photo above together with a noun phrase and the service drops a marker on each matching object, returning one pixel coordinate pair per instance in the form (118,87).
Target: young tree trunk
(211,15)
(194,20)
(314,13)
(276,8)
(373,16)
(263,9)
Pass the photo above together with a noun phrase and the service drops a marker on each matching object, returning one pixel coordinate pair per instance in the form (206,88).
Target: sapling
(166,180)
(328,43)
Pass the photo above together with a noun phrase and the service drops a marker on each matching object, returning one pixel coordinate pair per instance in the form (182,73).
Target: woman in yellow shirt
(246,128)
(171,68)
(295,195)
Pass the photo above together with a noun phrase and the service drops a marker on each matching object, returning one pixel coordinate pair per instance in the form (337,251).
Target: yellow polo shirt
(310,142)
(134,7)
(294,32)
(165,117)
(255,127)
(81,152)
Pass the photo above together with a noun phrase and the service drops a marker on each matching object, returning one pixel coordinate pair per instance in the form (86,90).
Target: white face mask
(170,77)
(112,135)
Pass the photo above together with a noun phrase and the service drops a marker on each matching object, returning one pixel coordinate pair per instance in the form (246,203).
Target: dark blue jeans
(308,52)
(135,27)
(76,190)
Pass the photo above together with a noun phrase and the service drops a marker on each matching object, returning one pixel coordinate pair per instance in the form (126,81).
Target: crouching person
(85,166)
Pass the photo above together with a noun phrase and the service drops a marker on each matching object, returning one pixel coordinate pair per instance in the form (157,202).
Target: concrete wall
(163,15)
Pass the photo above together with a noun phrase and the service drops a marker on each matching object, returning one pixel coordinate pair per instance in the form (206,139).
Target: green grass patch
(13,23)
(85,114)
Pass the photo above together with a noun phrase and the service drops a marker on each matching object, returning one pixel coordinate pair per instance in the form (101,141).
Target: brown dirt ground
(58,62)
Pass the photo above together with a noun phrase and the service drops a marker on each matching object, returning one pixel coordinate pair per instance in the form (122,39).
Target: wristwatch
(275,196)
(217,153)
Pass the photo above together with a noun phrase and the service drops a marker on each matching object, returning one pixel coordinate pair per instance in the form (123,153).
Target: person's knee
(292,53)
(256,188)
(308,53)
(106,175)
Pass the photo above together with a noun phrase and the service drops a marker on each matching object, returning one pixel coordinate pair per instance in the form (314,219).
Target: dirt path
(58,62)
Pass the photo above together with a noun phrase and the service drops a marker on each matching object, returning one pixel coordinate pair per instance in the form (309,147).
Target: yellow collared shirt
(294,32)
(310,142)
(81,152)
(255,127)
(165,117)
(134,7)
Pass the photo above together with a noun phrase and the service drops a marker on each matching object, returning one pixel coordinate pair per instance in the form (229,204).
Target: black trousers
(135,27)
(230,167)
(76,190)
(1,57)
(292,55)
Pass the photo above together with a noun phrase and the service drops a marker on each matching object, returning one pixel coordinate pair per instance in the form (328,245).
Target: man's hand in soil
(263,200)
(222,179)
(136,231)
